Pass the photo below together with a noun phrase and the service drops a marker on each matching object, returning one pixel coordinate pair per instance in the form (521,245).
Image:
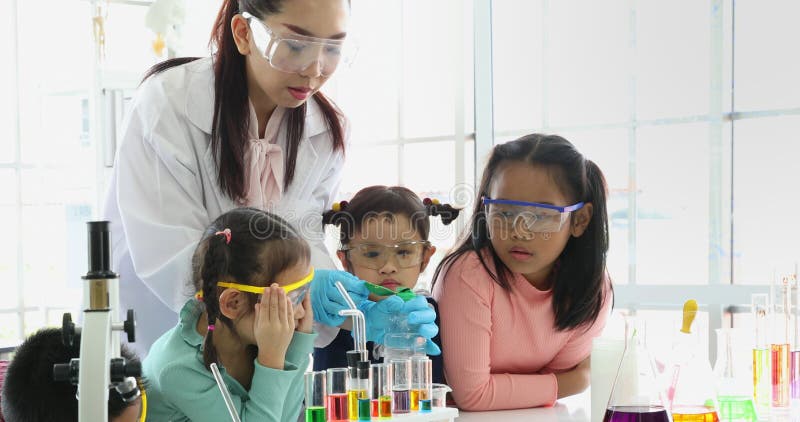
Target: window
(407,97)
(51,170)
(692,123)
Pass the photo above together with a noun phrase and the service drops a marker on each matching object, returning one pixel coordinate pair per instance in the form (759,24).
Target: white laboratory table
(571,409)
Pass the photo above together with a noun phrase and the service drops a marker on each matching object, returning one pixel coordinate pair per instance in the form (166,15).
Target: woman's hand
(306,323)
(273,327)
(575,380)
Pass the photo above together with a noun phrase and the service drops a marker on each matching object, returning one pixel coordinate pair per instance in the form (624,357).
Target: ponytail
(215,267)
(445,211)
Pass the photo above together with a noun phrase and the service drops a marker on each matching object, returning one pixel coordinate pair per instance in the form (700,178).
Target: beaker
(734,382)
(692,382)
(636,395)
(402,341)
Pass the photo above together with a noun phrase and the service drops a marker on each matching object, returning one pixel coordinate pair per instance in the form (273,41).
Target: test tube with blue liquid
(421,380)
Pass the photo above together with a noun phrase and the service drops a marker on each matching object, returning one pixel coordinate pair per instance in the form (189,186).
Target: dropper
(359,323)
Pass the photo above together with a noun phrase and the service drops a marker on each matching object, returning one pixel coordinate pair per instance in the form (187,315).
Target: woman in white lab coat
(247,126)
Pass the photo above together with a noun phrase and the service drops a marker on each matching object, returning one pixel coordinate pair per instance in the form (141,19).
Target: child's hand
(273,327)
(306,323)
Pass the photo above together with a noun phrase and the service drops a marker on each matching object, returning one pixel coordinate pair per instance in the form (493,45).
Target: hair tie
(444,211)
(227,234)
(211,327)
(339,206)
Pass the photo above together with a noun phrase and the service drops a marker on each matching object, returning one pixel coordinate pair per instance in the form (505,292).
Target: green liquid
(315,414)
(737,408)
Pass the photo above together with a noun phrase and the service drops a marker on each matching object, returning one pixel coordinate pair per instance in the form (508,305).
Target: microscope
(100,366)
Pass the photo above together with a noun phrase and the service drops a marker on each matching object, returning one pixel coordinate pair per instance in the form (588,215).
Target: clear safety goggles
(375,255)
(295,291)
(295,53)
(532,217)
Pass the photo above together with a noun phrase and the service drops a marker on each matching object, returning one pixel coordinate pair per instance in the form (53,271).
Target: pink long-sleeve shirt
(501,349)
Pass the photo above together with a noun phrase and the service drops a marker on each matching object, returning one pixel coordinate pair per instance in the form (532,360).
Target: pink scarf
(263,163)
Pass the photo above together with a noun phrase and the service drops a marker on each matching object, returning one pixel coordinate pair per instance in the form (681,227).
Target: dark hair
(376,201)
(231,106)
(31,394)
(578,289)
(261,246)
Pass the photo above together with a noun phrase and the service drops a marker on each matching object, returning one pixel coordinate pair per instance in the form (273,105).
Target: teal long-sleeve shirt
(181,388)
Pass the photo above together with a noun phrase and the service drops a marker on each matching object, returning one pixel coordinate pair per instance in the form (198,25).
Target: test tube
(352,385)
(363,372)
(794,354)
(780,351)
(761,352)
(381,391)
(315,396)
(337,394)
(401,377)
(421,380)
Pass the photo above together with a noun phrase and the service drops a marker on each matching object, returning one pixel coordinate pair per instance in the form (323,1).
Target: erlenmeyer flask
(636,397)
(692,387)
(734,383)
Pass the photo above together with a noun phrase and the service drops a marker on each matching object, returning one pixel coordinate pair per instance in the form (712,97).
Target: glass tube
(761,353)
(381,391)
(421,380)
(337,394)
(401,374)
(315,396)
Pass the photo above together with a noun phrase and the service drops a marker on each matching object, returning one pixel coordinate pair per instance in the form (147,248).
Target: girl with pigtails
(383,234)
(251,315)
(526,290)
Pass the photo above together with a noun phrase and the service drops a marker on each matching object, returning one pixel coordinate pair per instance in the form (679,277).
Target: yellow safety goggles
(296,291)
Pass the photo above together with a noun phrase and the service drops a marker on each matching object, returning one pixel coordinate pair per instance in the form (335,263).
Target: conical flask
(692,388)
(734,382)
(636,396)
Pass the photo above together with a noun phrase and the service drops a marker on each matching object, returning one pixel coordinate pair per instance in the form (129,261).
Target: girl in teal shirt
(251,316)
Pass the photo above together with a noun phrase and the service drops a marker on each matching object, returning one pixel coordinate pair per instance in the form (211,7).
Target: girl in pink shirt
(521,298)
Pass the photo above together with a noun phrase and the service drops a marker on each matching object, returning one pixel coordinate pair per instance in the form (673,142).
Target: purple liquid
(401,402)
(636,414)
(794,373)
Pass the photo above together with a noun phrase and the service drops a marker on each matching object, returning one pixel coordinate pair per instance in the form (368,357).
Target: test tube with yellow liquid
(762,387)
(421,383)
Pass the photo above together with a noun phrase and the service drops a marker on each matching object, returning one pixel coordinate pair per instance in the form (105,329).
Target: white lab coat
(164,193)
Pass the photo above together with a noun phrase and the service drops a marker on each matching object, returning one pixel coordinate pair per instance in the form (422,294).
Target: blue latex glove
(326,301)
(420,316)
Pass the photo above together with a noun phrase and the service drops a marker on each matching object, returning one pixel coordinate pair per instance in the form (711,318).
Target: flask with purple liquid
(636,396)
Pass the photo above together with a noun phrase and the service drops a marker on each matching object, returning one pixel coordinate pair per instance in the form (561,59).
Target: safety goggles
(295,291)
(532,217)
(375,255)
(295,53)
